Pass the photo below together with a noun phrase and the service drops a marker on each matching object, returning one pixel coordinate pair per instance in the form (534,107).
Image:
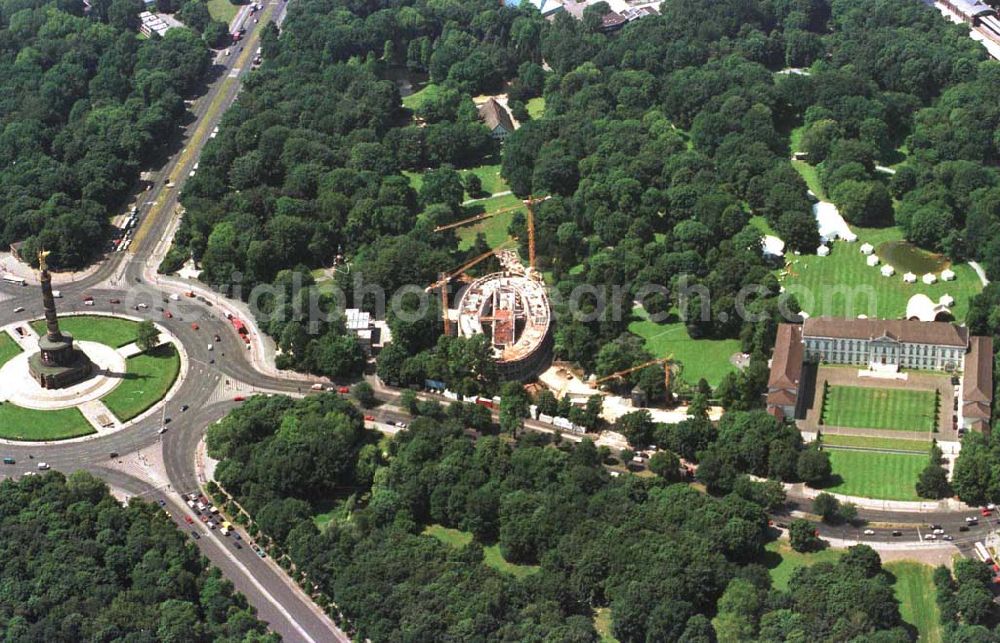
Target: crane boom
(666,361)
(474,219)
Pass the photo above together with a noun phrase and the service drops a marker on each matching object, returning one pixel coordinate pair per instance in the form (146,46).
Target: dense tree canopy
(85,103)
(78,566)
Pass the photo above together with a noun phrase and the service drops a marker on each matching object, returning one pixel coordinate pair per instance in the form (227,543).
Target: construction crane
(476,218)
(444,278)
(667,362)
(530,203)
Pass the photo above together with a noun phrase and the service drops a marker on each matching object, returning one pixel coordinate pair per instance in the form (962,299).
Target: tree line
(79,566)
(85,104)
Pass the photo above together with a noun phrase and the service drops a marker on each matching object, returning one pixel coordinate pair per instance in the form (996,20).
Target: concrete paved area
(19,388)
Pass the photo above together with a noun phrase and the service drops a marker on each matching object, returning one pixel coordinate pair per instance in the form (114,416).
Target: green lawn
(19,423)
(8,348)
(222,10)
(491,554)
(602,623)
(869,474)
(708,358)
(495,227)
(416,99)
(782,561)
(844,285)
(489,176)
(112,331)
(862,442)
(914,588)
(536,107)
(762,224)
(879,408)
(149,377)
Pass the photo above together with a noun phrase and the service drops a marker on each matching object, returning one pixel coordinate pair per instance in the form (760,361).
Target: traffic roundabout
(123,383)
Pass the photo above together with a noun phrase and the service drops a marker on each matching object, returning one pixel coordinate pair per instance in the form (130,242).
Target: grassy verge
(879,408)
(110,331)
(9,349)
(222,10)
(869,474)
(782,561)
(19,423)
(148,378)
(491,554)
(863,442)
(708,358)
(914,588)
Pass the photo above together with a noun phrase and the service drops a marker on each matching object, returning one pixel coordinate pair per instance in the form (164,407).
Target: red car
(168,314)
(188,520)
(194,326)
(984,511)
(369,418)
(204,518)
(343,389)
(239,398)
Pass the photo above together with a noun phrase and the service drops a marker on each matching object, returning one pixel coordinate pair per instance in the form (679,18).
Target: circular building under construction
(511,307)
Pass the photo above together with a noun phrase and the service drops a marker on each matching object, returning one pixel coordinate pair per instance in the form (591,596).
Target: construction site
(511,306)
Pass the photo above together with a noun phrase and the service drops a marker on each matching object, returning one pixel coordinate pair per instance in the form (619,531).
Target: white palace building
(884,346)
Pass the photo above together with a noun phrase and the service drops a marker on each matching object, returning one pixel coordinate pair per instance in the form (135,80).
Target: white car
(971,519)
(939,531)
(162,430)
(43,466)
(991,506)
(930,537)
(869,532)
(19,309)
(88,302)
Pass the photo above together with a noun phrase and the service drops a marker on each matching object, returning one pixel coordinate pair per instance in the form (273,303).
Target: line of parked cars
(209,514)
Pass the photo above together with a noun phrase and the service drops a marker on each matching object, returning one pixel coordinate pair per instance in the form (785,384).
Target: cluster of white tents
(929,278)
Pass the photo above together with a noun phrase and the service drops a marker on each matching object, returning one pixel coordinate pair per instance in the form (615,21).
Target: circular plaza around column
(17,387)
(126,384)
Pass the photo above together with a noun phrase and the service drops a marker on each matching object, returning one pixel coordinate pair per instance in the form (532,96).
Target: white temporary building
(831,225)
(909,278)
(929,278)
(772,246)
(823,251)
(947,300)
(921,307)
(947,274)
(872,260)
(888,271)
(867,248)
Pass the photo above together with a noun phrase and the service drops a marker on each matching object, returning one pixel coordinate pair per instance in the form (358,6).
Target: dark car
(964,528)
(115,301)
(897,533)
(195,534)
(184,407)
(237,545)
(237,536)
(113,455)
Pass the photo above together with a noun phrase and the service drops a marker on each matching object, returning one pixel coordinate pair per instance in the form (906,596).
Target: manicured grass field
(889,444)
(708,358)
(149,376)
(416,99)
(495,227)
(222,10)
(8,348)
(870,474)
(491,554)
(762,224)
(782,561)
(879,408)
(489,176)
(111,331)
(19,423)
(914,588)
(536,107)
(843,285)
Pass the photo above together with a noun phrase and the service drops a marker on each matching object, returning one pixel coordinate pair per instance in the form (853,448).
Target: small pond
(906,257)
